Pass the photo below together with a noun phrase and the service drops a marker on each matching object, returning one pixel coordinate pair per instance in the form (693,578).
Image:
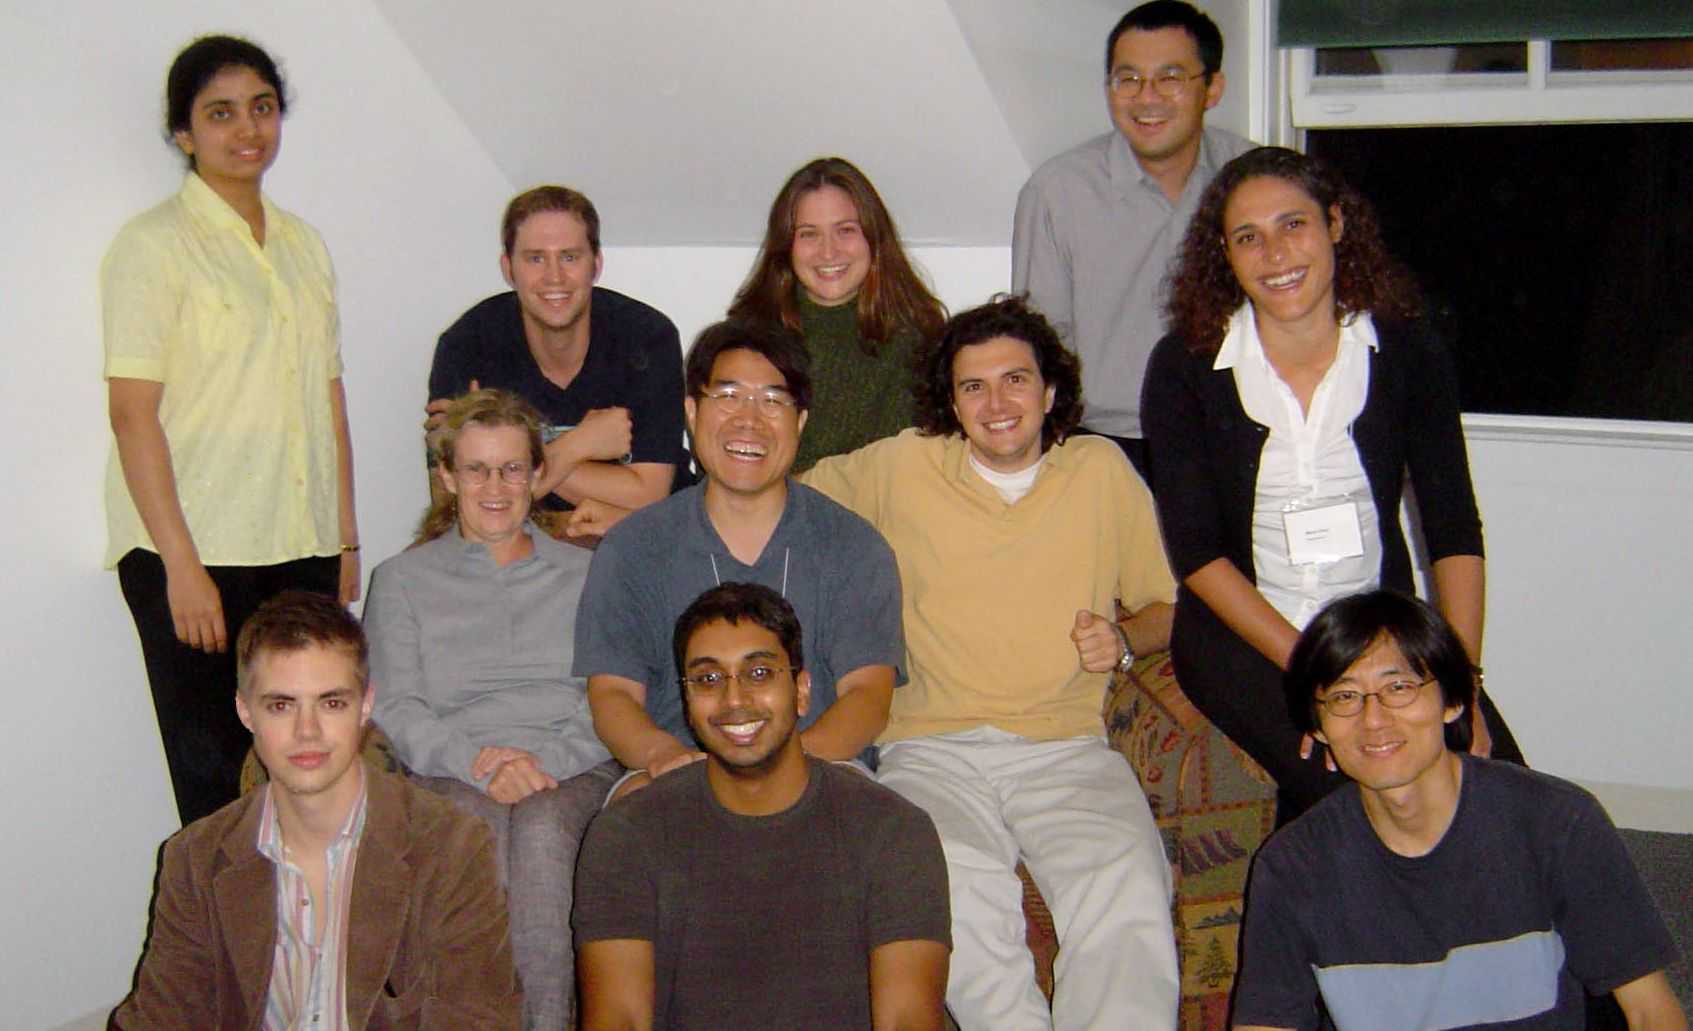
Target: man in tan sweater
(1015,544)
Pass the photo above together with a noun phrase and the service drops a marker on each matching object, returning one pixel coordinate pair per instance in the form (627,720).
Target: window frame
(1538,96)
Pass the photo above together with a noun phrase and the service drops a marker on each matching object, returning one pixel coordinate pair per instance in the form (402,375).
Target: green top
(855,398)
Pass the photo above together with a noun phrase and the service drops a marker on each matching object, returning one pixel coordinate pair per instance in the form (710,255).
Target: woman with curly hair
(832,268)
(470,650)
(1297,389)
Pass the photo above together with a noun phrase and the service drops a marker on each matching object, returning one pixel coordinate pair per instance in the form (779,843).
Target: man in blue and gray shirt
(749,391)
(1442,890)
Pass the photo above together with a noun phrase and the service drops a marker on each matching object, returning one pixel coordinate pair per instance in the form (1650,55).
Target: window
(1536,186)
(1556,259)
(1492,83)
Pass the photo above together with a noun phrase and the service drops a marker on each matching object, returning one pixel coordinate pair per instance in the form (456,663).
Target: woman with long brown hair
(831,267)
(1297,391)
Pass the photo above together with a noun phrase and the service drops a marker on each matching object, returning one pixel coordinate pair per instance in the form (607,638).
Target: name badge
(1322,530)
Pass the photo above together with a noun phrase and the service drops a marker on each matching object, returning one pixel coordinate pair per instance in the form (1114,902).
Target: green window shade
(1386,23)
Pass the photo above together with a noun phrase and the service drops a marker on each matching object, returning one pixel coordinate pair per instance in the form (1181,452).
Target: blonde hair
(488,409)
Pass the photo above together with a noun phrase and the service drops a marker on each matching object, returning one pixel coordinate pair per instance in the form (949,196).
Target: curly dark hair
(1004,316)
(1204,292)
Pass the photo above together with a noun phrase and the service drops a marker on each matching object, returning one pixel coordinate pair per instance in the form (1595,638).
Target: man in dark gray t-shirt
(760,888)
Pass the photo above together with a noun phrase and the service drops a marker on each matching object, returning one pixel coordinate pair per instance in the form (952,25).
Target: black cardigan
(1205,452)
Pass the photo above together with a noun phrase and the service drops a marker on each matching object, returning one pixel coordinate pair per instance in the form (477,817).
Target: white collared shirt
(1307,456)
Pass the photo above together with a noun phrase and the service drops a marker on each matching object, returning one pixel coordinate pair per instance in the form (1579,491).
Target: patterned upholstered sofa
(1213,806)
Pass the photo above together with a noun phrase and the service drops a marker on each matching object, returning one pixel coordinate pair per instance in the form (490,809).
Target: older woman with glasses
(470,652)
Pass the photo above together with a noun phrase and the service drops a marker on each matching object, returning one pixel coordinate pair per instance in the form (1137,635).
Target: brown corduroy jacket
(427,938)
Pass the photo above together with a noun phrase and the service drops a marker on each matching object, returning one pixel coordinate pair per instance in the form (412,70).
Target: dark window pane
(1559,258)
(1614,54)
(1465,58)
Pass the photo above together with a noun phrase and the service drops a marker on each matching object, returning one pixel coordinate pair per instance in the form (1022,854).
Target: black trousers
(194,692)
(1240,692)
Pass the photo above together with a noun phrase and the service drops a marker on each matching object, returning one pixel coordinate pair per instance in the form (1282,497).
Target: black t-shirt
(634,361)
(1529,898)
(762,921)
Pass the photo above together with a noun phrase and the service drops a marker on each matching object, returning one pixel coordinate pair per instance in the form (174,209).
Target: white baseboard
(92,1021)
(1646,808)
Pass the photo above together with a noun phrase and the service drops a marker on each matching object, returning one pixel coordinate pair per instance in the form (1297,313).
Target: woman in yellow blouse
(231,476)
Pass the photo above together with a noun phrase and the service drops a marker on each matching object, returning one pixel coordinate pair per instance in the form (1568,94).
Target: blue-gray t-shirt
(831,565)
(1528,899)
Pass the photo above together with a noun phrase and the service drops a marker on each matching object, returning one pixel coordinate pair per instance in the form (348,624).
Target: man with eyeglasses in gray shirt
(748,391)
(1097,226)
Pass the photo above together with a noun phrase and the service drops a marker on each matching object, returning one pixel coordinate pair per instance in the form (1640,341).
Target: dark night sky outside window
(1558,259)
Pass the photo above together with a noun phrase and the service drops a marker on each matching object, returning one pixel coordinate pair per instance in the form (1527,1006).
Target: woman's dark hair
(1004,316)
(1204,292)
(893,296)
(732,602)
(1348,627)
(200,62)
(780,347)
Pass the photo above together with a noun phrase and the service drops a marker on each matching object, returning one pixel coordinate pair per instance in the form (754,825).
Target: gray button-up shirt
(466,653)
(1092,244)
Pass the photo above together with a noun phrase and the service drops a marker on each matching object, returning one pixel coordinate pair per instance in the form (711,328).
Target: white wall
(408,206)
(408,201)
(1588,565)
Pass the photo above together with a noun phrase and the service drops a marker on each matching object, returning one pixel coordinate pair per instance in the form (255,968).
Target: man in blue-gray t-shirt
(1441,890)
(748,392)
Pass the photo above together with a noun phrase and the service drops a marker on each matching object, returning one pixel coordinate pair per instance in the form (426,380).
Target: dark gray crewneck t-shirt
(762,921)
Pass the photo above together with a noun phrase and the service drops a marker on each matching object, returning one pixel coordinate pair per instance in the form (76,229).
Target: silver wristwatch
(1127,662)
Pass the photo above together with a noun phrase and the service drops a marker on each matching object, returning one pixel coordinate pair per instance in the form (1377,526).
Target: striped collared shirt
(308,980)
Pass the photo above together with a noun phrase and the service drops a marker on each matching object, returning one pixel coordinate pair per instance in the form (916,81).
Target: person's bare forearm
(350,577)
(347,510)
(1148,629)
(1649,1004)
(627,486)
(622,723)
(907,986)
(1242,609)
(617,983)
(144,455)
(857,718)
(1460,589)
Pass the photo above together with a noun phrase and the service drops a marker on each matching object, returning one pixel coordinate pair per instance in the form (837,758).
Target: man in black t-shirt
(604,370)
(1442,890)
(760,887)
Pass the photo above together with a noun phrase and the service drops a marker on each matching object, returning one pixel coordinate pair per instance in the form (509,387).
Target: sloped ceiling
(681,120)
